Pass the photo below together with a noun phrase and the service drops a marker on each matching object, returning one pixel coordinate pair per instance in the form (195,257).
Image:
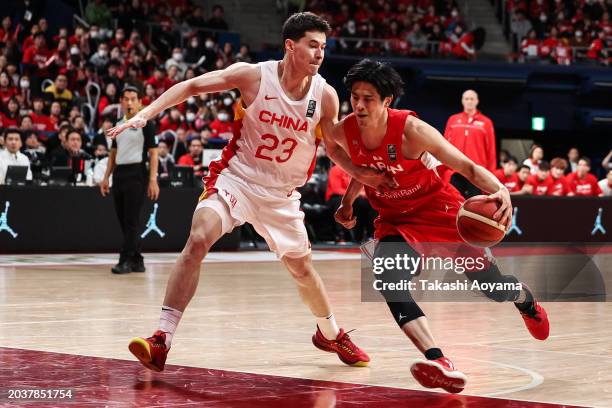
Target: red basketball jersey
(424,207)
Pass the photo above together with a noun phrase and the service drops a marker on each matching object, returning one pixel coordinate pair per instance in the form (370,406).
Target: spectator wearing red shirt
(596,52)
(540,182)
(159,81)
(473,134)
(222,126)
(36,58)
(549,44)
(523,174)
(562,53)
(7,33)
(41,122)
(507,175)
(7,89)
(10,116)
(464,48)
(194,157)
(581,182)
(558,186)
(173,121)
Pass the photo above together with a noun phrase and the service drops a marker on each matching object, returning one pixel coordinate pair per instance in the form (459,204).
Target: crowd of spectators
(561,31)
(416,28)
(569,176)
(54,84)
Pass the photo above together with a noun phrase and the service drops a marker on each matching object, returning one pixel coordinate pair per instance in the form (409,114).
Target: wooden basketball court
(66,322)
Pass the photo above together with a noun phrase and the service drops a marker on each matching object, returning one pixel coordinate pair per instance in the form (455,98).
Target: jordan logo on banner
(514,224)
(152,224)
(598,227)
(4,226)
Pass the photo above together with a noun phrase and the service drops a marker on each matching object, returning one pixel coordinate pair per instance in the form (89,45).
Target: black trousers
(129,187)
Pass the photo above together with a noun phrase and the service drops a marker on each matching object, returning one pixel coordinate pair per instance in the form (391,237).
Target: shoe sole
(142,351)
(357,364)
(432,375)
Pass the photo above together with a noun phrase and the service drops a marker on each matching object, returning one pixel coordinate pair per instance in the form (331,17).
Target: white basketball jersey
(276,138)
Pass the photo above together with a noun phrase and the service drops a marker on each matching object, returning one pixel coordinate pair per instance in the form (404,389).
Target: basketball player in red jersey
(255,179)
(422,209)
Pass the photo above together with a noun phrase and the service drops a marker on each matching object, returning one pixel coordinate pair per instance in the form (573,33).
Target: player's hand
(134,123)
(104,187)
(153,190)
(378,180)
(344,216)
(504,213)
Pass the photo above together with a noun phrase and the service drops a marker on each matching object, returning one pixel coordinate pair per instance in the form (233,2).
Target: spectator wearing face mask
(195,56)
(100,58)
(177,61)
(210,52)
(222,127)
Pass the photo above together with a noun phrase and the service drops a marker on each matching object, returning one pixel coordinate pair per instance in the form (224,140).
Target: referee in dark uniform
(127,164)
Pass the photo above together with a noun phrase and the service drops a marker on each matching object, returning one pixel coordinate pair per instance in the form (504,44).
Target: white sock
(328,327)
(168,320)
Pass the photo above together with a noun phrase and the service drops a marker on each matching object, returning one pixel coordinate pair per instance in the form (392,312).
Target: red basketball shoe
(439,373)
(347,351)
(151,352)
(536,321)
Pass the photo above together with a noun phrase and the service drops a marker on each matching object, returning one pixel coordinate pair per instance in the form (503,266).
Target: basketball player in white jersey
(283,103)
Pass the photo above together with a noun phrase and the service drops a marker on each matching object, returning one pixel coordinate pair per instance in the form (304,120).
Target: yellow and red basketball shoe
(536,321)
(439,373)
(343,346)
(151,352)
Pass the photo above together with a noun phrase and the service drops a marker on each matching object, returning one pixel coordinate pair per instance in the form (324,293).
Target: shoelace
(345,340)
(158,340)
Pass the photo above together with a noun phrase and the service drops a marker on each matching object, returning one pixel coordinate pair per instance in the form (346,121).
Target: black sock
(433,354)
(527,306)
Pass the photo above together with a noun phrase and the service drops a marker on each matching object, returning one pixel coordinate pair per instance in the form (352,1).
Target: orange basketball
(476,224)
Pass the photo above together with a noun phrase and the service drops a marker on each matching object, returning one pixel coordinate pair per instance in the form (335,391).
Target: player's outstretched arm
(337,149)
(234,76)
(344,214)
(428,139)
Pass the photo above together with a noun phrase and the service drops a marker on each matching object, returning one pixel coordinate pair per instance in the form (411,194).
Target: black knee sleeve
(495,286)
(405,310)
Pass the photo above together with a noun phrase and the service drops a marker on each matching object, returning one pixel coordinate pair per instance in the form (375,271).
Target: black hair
(511,159)
(544,165)
(130,88)
(586,159)
(10,130)
(296,26)
(383,77)
(524,166)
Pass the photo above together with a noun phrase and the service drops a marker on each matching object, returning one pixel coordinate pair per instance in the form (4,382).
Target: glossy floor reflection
(98,382)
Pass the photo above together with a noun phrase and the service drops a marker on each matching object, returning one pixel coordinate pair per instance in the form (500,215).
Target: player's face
(308,52)
(367,104)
